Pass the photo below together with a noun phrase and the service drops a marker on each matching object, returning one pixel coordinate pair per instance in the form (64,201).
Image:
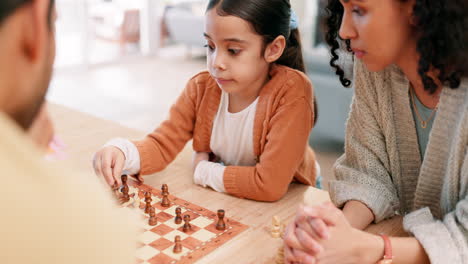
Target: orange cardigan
(283,121)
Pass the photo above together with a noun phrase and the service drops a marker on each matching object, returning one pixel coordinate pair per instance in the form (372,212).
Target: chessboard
(156,243)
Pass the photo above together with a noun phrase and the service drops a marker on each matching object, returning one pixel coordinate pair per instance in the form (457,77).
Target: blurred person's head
(27,53)
(244,37)
(385,32)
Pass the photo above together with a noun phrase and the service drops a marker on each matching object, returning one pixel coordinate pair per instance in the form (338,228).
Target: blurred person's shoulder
(46,207)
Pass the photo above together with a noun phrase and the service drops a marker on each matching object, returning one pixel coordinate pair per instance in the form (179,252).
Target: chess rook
(221,225)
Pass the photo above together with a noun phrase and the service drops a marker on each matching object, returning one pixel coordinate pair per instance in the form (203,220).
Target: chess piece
(221,225)
(153,220)
(280,256)
(148,201)
(177,246)
(187,226)
(164,189)
(125,195)
(178,218)
(275,227)
(165,201)
(124,179)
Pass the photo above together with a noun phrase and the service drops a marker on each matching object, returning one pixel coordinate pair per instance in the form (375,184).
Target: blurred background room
(128,60)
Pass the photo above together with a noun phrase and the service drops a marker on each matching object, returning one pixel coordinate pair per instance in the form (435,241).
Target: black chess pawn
(187,226)
(165,200)
(178,217)
(177,245)
(125,190)
(125,196)
(148,201)
(124,179)
(221,225)
(164,189)
(153,220)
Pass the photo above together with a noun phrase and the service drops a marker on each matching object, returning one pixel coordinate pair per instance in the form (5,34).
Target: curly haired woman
(406,146)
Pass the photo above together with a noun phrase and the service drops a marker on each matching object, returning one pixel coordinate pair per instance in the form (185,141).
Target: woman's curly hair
(442,28)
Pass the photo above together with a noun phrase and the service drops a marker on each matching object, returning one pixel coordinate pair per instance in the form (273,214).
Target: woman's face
(380,31)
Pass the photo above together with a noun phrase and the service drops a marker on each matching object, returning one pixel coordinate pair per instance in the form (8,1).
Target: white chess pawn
(280,256)
(276,227)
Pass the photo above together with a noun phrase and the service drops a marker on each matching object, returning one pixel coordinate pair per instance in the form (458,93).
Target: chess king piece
(178,218)
(153,220)
(187,226)
(178,245)
(221,225)
(275,227)
(148,201)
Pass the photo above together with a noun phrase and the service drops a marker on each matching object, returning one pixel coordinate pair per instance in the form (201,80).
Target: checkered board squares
(155,243)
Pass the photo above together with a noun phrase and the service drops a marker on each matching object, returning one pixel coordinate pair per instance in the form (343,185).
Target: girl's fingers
(118,167)
(98,169)
(106,168)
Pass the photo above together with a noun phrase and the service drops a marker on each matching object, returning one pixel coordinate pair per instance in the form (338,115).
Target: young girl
(406,140)
(252,110)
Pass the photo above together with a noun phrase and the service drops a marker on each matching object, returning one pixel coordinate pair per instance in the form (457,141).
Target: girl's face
(380,31)
(234,53)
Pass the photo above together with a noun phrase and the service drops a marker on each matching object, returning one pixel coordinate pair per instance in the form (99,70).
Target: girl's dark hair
(270,19)
(442,30)
(7,7)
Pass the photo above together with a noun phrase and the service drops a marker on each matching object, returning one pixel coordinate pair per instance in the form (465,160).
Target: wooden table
(84,134)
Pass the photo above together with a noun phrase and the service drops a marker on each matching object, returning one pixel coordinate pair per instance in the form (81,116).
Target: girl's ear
(275,49)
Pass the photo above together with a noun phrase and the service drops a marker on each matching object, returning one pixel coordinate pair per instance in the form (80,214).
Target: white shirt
(231,141)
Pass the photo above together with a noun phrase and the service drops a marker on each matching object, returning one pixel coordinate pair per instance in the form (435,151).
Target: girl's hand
(109,163)
(199,156)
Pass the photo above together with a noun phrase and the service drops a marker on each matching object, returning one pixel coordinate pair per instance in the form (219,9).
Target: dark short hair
(8,7)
